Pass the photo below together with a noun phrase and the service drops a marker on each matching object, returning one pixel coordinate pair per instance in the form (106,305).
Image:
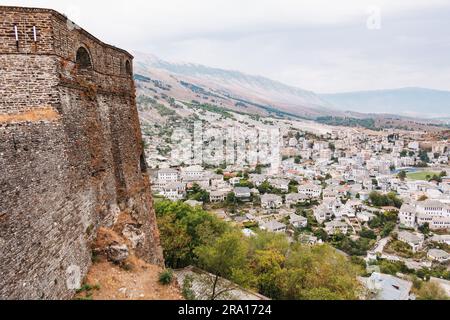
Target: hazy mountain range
(411,102)
(405,101)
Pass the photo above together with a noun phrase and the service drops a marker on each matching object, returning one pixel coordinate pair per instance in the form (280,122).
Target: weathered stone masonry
(71,155)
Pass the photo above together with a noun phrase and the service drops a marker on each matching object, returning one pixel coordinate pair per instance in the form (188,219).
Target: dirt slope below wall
(112,282)
(129,279)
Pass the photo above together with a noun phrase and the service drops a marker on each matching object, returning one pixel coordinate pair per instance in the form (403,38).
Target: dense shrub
(166,277)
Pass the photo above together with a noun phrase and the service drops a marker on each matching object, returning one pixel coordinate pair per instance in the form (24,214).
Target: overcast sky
(325,46)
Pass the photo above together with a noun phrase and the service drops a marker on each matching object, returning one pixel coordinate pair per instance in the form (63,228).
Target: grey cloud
(318,45)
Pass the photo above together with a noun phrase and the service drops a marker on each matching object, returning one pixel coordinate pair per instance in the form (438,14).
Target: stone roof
(296,218)
(194,203)
(167,170)
(335,224)
(215,176)
(201,286)
(271,197)
(295,197)
(193,169)
(310,186)
(174,185)
(388,287)
(217,193)
(241,190)
(273,225)
(437,253)
(409,237)
(438,238)
(407,208)
(194,179)
(431,203)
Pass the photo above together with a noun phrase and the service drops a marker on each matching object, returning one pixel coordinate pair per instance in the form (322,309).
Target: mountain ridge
(410,102)
(254,88)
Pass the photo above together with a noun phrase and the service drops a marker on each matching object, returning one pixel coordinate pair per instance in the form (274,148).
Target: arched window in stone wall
(83,59)
(143,163)
(128,68)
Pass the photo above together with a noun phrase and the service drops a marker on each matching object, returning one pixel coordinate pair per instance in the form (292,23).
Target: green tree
(183,228)
(383,200)
(231,198)
(198,194)
(224,258)
(269,241)
(392,268)
(423,198)
(402,175)
(174,239)
(388,228)
(425,229)
(293,186)
(267,266)
(357,247)
(390,216)
(245,183)
(265,187)
(436,178)
(376,222)
(332,146)
(375,198)
(321,234)
(321,273)
(369,234)
(423,155)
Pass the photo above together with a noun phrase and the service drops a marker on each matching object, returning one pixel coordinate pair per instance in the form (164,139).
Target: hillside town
(233,158)
(382,198)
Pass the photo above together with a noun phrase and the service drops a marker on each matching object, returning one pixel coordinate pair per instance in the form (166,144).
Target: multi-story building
(217,196)
(336,227)
(174,191)
(310,190)
(438,255)
(407,216)
(415,241)
(271,201)
(295,198)
(192,172)
(274,226)
(442,239)
(298,221)
(168,175)
(435,213)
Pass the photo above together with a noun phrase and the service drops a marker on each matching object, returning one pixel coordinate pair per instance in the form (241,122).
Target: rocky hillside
(241,92)
(231,89)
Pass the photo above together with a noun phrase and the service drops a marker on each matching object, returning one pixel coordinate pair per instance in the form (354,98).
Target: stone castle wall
(71,155)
